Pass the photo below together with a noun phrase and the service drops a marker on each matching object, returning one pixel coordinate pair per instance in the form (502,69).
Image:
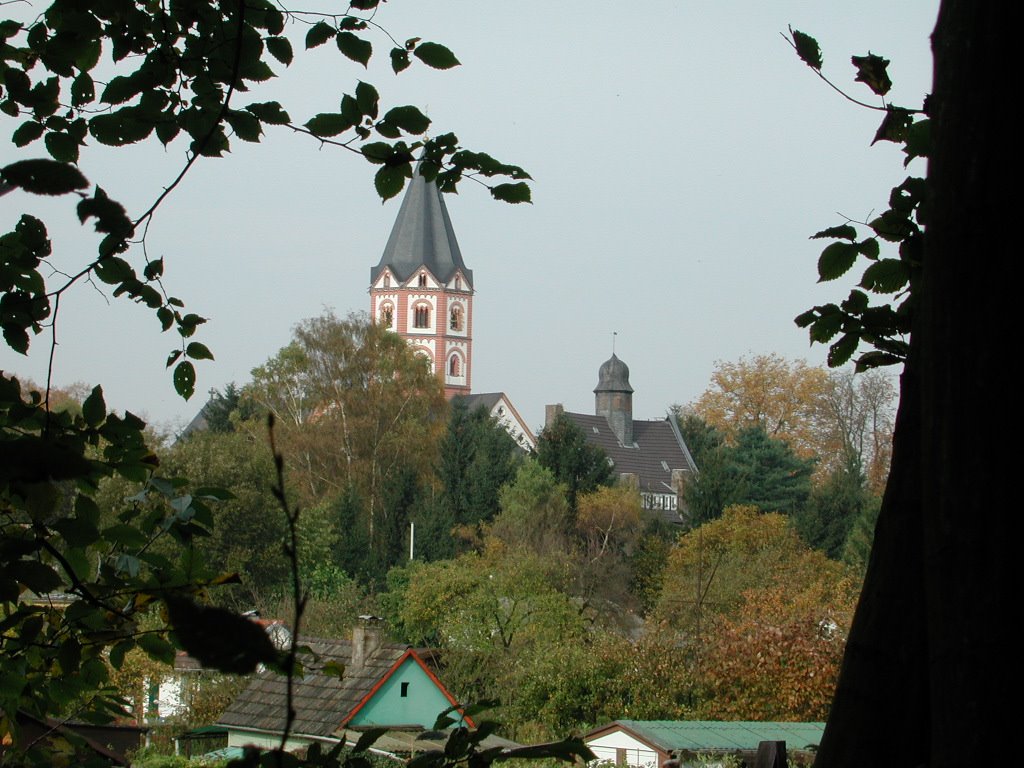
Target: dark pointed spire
(422,237)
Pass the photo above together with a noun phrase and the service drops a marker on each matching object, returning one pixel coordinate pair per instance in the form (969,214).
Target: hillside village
(689,570)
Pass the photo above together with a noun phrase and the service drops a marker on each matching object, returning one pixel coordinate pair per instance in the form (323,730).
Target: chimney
(552,412)
(366,638)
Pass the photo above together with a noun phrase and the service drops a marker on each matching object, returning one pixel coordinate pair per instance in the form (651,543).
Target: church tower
(613,398)
(422,290)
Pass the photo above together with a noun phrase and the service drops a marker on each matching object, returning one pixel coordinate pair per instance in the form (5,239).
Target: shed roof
(422,237)
(692,735)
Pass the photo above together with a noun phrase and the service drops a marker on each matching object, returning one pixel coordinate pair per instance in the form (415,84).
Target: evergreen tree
(581,467)
(826,520)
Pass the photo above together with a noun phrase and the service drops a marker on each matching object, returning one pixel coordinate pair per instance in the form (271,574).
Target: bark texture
(928,669)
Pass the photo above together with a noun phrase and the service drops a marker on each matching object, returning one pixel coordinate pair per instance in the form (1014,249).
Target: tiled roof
(657,449)
(422,237)
(321,701)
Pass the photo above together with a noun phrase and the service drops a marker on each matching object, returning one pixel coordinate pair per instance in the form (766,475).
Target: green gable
(409,696)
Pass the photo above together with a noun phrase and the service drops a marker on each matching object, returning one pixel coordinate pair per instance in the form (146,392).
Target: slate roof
(321,701)
(654,442)
(422,237)
(715,734)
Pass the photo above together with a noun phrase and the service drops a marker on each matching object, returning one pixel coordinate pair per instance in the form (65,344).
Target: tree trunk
(928,667)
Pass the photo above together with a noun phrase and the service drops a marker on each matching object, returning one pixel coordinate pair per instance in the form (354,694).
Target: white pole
(412,540)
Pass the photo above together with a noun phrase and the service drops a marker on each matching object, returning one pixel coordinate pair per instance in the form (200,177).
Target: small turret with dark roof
(613,398)
(422,237)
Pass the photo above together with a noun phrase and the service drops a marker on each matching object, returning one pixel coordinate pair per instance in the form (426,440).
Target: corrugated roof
(422,237)
(321,701)
(716,734)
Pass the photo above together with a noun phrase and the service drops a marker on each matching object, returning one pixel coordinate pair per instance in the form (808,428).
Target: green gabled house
(382,685)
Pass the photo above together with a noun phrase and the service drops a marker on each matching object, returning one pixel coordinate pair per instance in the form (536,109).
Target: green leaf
(94,409)
(26,133)
(157,648)
(281,49)
(269,112)
(368,739)
(512,193)
(839,354)
(328,124)
(807,49)
(836,260)
(894,125)
(62,147)
(367,99)
(919,141)
(198,351)
(218,638)
(354,47)
(245,125)
(885,276)
(319,34)
(125,126)
(154,269)
(38,577)
(121,89)
(842,232)
(185,379)
(399,59)
(409,119)
(389,181)
(44,177)
(83,90)
(113,270)
(435,55)
(871,70)
(378,152)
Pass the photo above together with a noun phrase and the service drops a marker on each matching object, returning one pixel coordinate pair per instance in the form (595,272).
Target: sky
(681,157)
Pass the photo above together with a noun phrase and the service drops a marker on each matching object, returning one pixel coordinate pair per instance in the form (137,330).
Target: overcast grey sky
(681,157)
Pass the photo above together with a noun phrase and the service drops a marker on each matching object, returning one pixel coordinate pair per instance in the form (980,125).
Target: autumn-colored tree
(358,412)
(831,417)
(714,565)
(774,660)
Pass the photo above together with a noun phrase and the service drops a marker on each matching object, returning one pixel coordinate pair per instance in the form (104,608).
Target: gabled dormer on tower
(422,289)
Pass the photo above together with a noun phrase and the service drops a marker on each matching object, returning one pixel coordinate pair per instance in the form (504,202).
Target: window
(453,366)
(387,316)
(387,281)
(458,283)
(405,690)
(422,282)
(421,316)
(455,321)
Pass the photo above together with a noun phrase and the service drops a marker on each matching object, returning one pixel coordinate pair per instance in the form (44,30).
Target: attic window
(458,283)
(596,430)
(664,465)
(405,690)
(423,280)
(387,281)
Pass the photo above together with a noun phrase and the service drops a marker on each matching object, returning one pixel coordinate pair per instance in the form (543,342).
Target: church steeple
(422,289)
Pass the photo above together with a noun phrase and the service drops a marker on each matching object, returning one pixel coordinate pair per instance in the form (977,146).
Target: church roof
(613,376)
(422,237)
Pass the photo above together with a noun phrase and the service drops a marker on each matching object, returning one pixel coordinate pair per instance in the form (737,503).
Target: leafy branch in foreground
(176,70)
(883,327)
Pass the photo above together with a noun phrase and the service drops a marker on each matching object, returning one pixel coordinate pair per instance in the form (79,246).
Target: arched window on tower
(422,282)
(421,316)
(387,316)
(454,369)
(455,318)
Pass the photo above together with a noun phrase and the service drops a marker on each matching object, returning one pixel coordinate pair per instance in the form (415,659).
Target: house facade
(648,454)
(347,686)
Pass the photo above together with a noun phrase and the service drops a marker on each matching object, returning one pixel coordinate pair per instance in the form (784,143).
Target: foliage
(883,327)
(713,566)
(828,517)
(756,470)
(580,466)
(478,457)
(73,585)
(534,512)
(360,417)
